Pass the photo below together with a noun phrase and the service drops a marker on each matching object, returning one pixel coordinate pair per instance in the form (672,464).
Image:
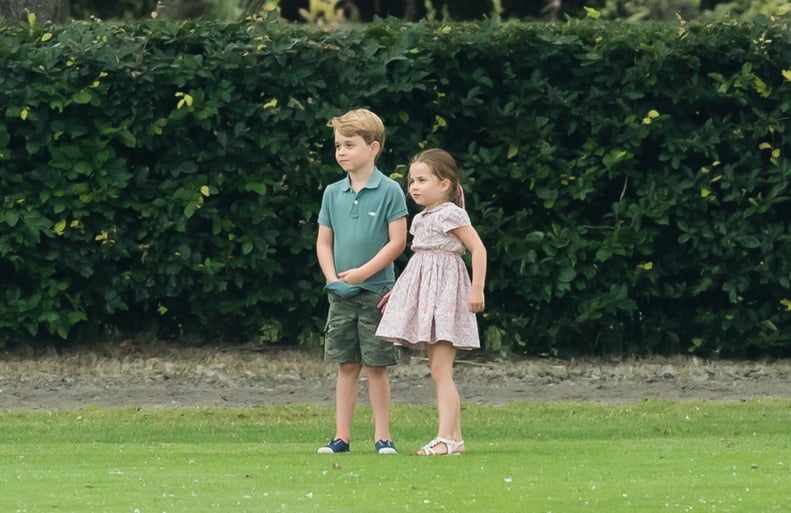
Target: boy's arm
(324,251)
(395,246)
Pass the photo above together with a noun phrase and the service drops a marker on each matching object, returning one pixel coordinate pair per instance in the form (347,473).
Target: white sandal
(451,445)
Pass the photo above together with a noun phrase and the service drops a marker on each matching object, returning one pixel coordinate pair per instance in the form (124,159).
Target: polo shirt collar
(372,183)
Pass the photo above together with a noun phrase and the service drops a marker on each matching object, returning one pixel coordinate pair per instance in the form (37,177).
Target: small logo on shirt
(372,214)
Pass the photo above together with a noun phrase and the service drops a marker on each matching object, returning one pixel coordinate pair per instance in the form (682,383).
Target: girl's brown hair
(444,167)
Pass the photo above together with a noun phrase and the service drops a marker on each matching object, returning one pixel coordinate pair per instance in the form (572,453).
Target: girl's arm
(470,238)
(324,253)
(395,246)
(382,304)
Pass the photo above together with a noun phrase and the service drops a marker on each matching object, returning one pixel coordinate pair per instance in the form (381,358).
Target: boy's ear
(376,147)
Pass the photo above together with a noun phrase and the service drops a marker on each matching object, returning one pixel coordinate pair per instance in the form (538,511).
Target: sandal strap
(428,449)
(450,446)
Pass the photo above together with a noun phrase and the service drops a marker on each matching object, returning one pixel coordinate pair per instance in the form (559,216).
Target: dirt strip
(161,375)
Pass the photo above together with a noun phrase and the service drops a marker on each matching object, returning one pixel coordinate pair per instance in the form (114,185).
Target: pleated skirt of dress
(430,303)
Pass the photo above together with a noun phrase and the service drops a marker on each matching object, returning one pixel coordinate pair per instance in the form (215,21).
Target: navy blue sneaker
(336,445)
(385,447)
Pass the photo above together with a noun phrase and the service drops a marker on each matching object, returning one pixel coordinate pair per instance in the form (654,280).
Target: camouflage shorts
(349,333)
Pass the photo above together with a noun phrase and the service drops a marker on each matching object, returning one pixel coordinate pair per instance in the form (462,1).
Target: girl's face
(426,188)
(353,153)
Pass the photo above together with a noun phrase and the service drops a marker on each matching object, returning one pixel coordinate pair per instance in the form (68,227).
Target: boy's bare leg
(379,395)
(346,390)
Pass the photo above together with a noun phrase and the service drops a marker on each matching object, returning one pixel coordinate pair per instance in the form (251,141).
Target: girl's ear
(444,185)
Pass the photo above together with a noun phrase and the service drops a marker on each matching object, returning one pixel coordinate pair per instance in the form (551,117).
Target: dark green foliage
(119,9)
(631,183)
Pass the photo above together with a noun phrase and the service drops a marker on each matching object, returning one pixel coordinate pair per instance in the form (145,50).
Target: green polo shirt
(360,222)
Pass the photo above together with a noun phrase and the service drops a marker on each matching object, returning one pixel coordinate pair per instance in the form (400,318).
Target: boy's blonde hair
(361,122)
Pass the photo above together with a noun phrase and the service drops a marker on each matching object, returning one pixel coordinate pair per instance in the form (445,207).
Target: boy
(362,230)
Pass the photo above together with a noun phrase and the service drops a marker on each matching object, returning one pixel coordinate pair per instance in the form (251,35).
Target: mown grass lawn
(565,457)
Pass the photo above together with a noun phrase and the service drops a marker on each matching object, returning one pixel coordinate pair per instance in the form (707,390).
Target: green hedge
(630,182)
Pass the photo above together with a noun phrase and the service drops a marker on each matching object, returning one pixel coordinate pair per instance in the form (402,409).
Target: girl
(433,303)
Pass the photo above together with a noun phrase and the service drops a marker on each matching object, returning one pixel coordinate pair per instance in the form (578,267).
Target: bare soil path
(163,375)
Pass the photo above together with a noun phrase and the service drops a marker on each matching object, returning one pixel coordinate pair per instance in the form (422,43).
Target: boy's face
(353,153)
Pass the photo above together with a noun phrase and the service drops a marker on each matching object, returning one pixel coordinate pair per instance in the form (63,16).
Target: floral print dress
(430,300)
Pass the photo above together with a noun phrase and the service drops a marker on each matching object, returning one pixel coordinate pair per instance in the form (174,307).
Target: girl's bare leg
(441,357)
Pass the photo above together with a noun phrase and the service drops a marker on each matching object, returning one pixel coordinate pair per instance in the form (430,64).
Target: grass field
(562,458)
